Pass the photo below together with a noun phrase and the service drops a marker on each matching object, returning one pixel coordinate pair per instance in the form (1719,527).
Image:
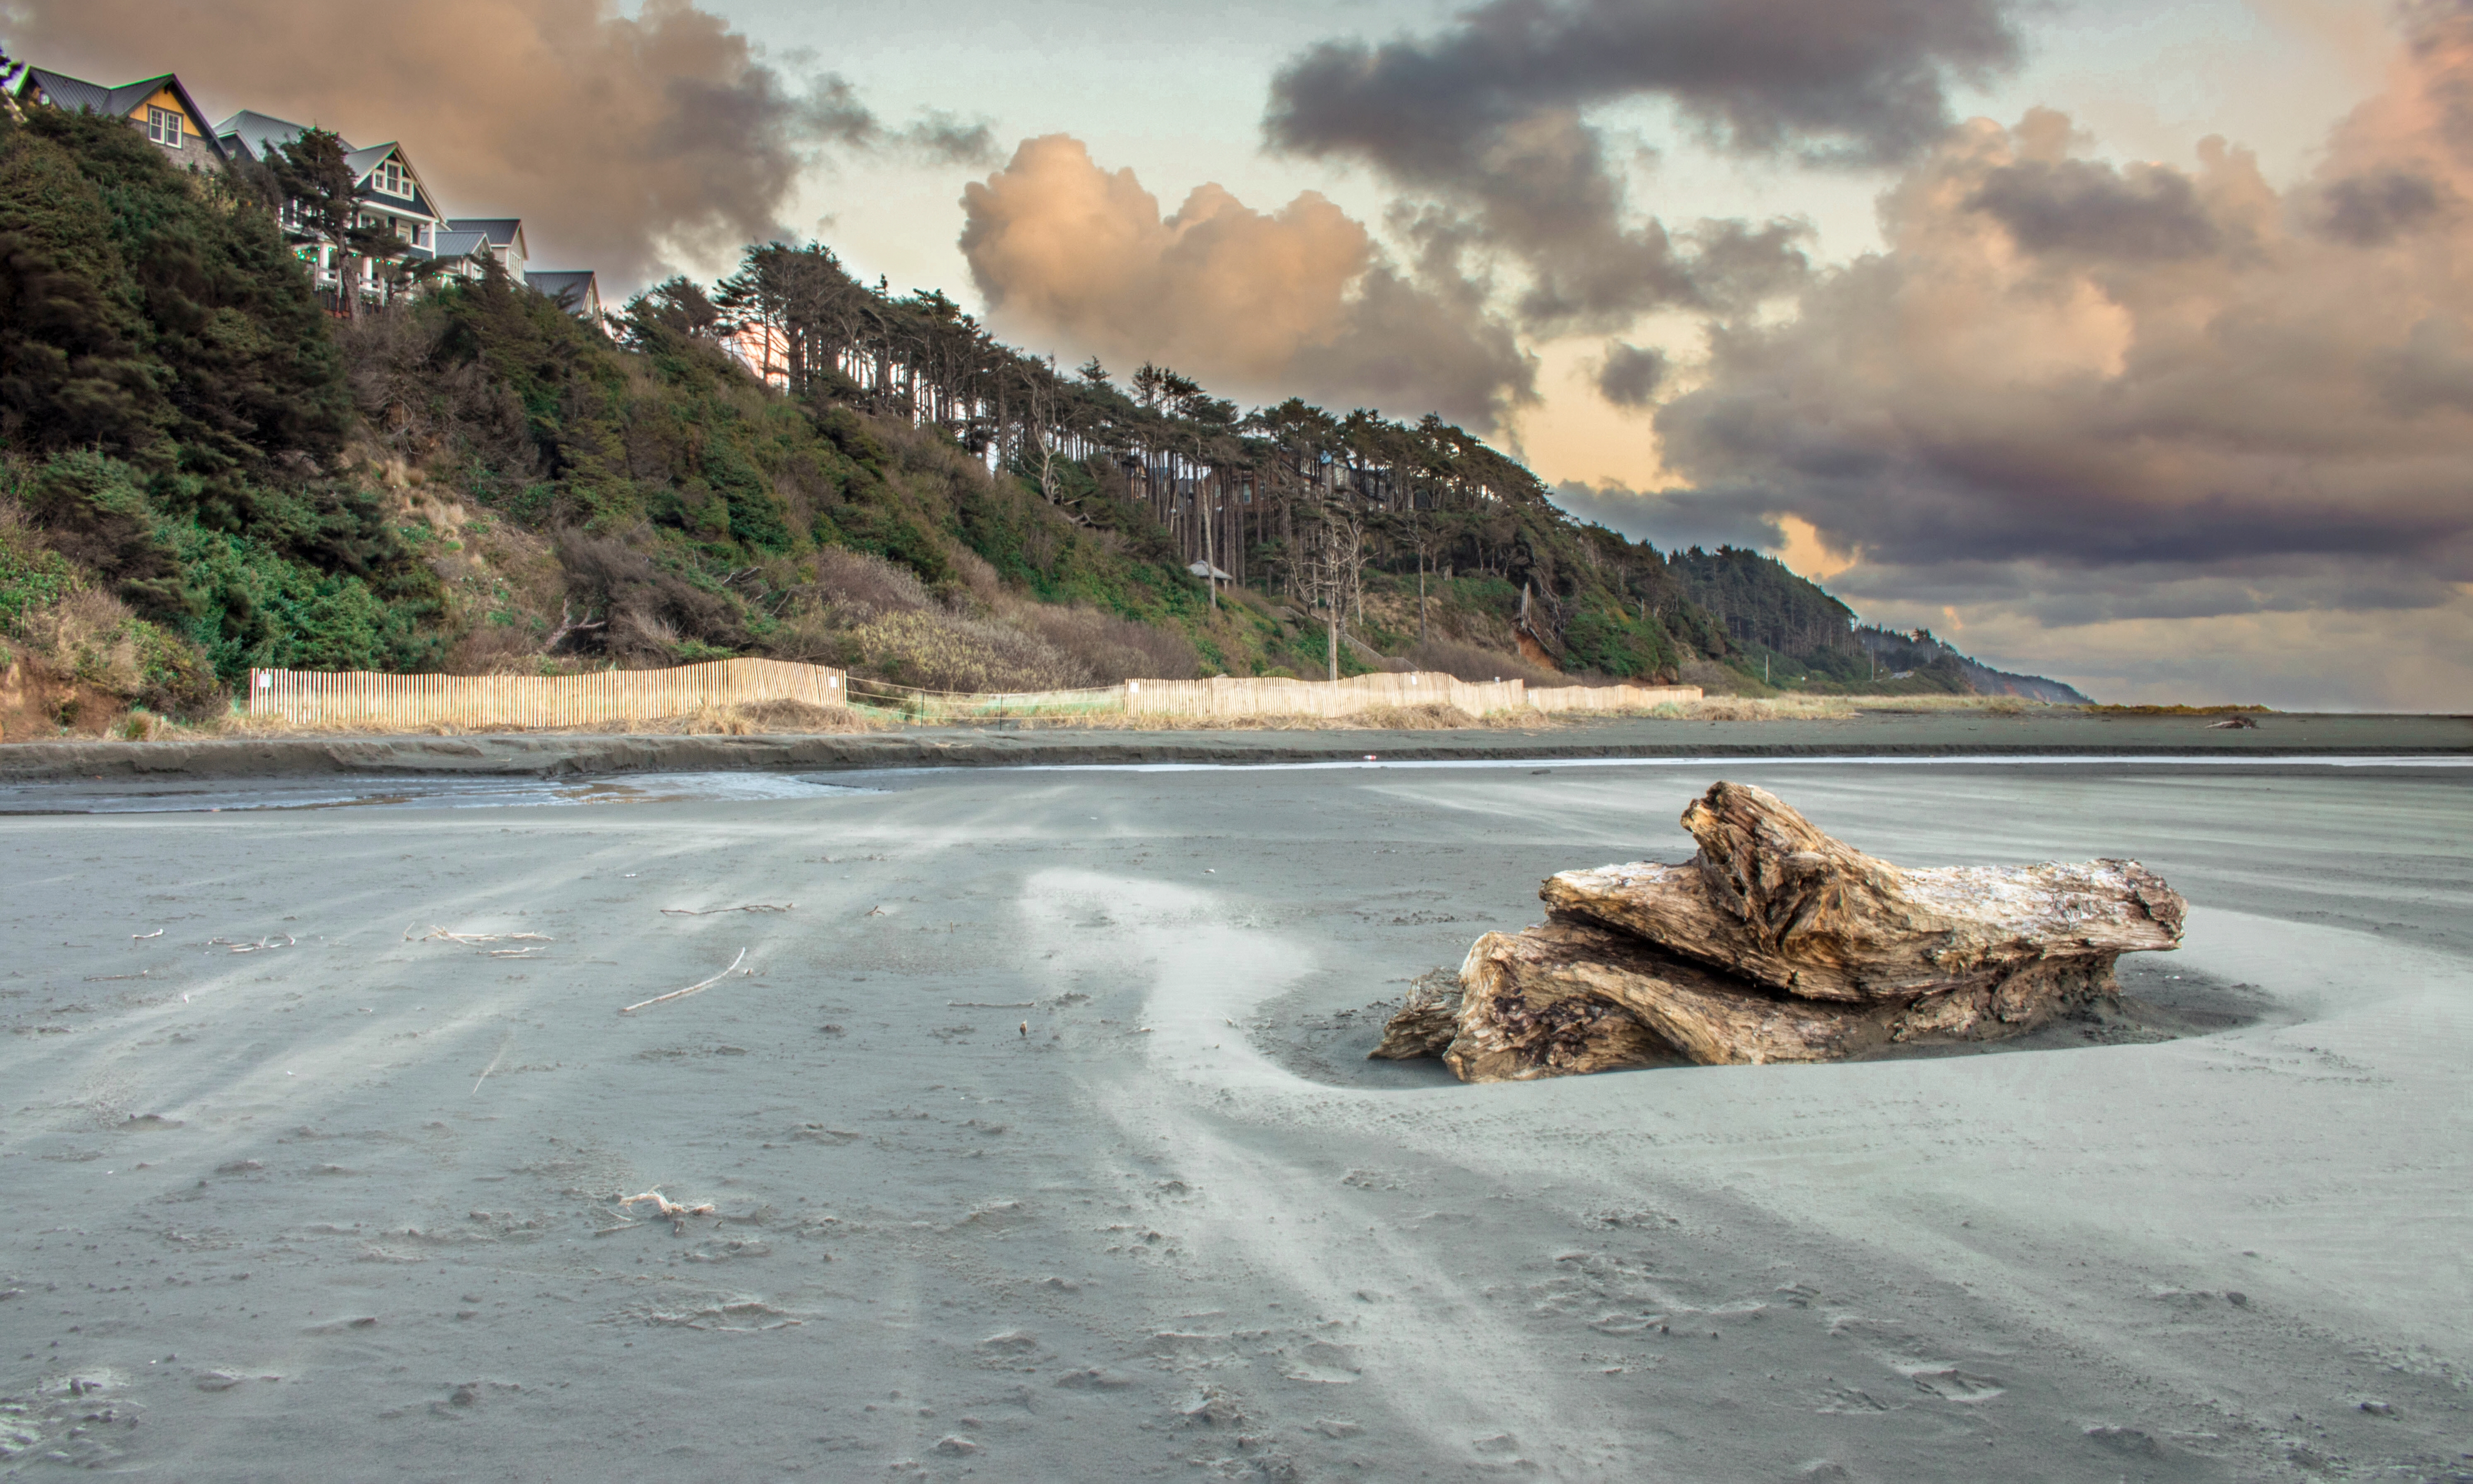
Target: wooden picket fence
(356,697)
(320,698)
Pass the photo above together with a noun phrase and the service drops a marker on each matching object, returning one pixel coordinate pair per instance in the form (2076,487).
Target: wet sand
(347,1206)
(2067,733)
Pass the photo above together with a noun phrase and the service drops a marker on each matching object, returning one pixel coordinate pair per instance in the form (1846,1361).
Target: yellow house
(159,107)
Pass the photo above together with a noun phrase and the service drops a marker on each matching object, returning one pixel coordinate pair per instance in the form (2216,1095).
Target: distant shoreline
(1956,736)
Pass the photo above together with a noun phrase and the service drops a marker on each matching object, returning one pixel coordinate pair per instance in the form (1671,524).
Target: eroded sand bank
(346,1208)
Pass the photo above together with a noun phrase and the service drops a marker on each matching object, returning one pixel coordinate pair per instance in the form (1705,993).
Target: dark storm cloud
(1835,79)
(2379,205)
(2092,210)
(1487,118)
(2136,392)
(831,111)
(1671,519)
(1631,375)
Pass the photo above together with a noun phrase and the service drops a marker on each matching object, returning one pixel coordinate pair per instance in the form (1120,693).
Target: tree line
(1291,499)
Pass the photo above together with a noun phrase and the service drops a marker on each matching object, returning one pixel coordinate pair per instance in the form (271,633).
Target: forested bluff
(202,471)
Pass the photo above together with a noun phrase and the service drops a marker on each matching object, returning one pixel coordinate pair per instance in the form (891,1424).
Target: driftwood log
(1779,943)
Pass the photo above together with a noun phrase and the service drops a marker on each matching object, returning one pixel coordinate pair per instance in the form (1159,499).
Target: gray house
(575,290)
(388,195)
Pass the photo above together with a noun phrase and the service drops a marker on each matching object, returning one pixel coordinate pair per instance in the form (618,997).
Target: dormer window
(164,127)
(391,177)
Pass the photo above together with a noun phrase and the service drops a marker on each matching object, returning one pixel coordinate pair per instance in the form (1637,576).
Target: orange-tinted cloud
(2096,394)
(1299,301)
(622,142)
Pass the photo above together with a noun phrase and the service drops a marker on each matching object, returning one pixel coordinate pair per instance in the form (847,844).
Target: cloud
(2085,395)
(2375,208)
(1671,519)
(2077,206)
(1297,300)
(1631,376)
(622,141)
(1487,117)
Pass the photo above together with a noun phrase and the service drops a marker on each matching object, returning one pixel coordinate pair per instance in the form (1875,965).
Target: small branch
(689,990)
(707,912)
(677,1212)
(567,625)
(665,1206)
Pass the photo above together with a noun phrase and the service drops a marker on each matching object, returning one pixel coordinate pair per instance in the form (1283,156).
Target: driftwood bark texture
(1779,943)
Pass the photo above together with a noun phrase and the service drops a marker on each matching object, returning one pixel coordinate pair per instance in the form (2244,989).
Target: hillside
(201,472)
(1794,635)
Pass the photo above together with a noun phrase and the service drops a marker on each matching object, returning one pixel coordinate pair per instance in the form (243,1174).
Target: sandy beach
(1039,1141)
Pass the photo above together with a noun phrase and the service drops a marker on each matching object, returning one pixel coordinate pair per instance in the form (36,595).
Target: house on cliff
(160,108)
(575,290)
(389,198)
(499,237)
(468,243)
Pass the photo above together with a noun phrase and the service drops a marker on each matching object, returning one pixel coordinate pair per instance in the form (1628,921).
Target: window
(391,177)
(164,127)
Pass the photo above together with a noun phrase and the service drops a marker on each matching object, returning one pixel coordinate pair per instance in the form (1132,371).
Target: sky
(2130,344)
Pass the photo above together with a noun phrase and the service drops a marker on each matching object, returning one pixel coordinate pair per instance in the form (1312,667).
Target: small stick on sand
(689,990)
(475,940)
(512,952)
(665,1206)
(142,937)
(677,1213)
(708,912)
(992,1004)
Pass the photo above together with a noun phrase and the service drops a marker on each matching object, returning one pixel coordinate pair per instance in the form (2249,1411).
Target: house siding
(192,150)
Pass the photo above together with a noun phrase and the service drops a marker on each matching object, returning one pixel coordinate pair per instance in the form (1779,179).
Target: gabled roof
(64,91)
(452,243)
(501,231)
(364,165)
(567,286)
(258,135)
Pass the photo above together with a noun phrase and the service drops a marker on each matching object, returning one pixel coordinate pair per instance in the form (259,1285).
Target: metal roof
(258,135)
(567,286)
(452,243)
(501,231)
(74,93)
